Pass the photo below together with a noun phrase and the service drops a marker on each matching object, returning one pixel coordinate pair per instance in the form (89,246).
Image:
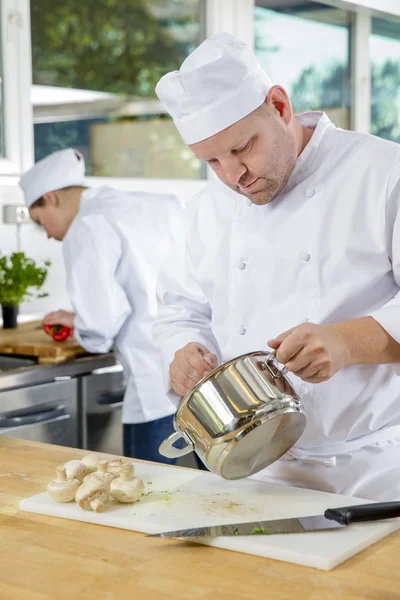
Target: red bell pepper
(59,333)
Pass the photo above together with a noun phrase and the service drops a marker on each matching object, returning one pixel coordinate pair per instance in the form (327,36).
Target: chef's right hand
(60,317)
(190,364)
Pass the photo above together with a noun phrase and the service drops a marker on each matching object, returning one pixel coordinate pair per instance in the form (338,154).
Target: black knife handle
(375,511)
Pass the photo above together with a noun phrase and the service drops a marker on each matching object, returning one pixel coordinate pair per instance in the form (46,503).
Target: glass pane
(385,79)
(95,66)
(304,47)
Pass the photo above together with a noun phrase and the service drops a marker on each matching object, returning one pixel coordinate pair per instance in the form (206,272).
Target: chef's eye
(243,148)
(212,161)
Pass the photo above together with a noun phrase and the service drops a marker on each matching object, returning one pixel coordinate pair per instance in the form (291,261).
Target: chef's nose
(234,170)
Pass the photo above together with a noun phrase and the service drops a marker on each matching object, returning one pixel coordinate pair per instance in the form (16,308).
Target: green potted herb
(19,277)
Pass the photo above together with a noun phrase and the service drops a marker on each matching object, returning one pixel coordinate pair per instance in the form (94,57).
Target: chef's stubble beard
(286,151)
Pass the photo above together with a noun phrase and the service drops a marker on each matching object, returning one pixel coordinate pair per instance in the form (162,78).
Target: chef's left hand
(60,317)
(312,352)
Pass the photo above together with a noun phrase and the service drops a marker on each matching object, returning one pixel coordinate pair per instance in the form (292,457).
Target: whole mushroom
(126,488)
(93,495)
(63,489)
(101,473)
(91,461)
(75,469)
(115,465)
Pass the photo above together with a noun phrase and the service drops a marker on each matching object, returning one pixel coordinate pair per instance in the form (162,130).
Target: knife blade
(333,518)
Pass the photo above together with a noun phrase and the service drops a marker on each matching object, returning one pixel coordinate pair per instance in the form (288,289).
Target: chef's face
(50,214)
(255,156)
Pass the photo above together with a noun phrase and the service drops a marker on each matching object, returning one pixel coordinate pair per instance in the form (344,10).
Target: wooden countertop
(48,558)
(29,339)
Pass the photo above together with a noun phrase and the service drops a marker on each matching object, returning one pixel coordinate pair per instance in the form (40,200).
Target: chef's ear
(52,199)
(278,99)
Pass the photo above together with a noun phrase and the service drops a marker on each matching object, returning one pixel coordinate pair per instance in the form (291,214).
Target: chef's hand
(60,317)
(312,352)
(190,364)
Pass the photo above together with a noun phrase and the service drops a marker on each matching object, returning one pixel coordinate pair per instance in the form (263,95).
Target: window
(95,66)
(15,125)
(304,47)
(385,78)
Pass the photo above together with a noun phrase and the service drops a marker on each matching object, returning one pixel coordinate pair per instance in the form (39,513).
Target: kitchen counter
(48,558)
(25,343)
(37,374)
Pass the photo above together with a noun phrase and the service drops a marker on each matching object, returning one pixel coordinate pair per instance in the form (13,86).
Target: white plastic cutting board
(183,498)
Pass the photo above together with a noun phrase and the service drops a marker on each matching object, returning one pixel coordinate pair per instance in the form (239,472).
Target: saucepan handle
(168,449)
(272,359)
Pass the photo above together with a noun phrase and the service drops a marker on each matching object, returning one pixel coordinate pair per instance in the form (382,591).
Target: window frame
(16,68)
(379,8)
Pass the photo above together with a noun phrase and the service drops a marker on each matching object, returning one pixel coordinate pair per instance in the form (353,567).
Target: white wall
(35,244)
(184,189)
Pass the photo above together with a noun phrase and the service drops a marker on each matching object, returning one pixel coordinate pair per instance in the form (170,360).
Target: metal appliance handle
(167,449)
(34,419)
(111,399)
(107,370)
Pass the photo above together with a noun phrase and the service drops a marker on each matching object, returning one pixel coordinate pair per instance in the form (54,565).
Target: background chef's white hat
(58,170)
(218,84)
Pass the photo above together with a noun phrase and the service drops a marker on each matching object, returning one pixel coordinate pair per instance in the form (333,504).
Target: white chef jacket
(325,250)
(112,252)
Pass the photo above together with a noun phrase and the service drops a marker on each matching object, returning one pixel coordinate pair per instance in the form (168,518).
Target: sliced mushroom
(101,473)
(126,488)
(93,495)
(91,461)
(63,489)
(75,469)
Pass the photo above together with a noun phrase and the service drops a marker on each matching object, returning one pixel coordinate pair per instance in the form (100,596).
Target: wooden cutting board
(29,339)
(180,498)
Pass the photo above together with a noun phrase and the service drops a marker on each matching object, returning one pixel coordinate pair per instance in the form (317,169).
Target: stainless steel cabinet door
(100,405)
(43,413)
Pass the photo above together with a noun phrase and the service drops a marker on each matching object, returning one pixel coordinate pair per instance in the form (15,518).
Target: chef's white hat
(58,170)
(218,84)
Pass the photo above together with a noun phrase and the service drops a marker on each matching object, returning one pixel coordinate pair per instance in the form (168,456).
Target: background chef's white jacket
(112,252)
(327,249)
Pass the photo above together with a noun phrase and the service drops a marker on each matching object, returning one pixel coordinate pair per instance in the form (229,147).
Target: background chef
(296,245)
(113,245)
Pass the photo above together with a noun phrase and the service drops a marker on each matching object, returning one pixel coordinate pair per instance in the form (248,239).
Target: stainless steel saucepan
(240,418)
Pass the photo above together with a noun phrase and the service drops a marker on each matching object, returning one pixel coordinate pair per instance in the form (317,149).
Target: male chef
(113,245)
(296,246)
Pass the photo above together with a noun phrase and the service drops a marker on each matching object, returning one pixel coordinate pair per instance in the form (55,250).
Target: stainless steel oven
(47,413)
(100,409)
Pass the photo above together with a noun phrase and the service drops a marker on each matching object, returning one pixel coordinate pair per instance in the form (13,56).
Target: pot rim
(217,370)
